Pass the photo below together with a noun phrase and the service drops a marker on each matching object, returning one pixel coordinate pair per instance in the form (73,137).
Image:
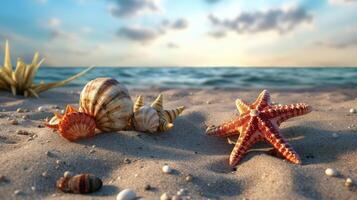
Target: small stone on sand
(18,192)
(14,122)
(189,178)
(22,132)
(44,174)
(165,196)
(181,192)
(147,187)
(20,110)
(41,109)
(126,194)
(67,174)
(348,182)
(175,197)
(331,172)
(166,169)
(352,110)
(127,161)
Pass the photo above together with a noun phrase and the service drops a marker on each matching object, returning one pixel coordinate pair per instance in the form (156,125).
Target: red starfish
(260,121)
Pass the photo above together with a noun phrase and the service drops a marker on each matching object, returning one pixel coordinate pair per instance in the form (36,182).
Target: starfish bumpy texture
(260,121)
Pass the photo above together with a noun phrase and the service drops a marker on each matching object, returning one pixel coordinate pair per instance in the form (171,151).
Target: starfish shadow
(316,145)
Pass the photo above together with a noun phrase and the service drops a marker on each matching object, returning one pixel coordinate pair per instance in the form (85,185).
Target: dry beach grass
(33,162)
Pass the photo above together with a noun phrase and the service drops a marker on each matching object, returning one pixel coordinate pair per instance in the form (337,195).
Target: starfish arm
(248,137)
(242,106)
(273,136)
(228,128)
(283,113)
(262,101)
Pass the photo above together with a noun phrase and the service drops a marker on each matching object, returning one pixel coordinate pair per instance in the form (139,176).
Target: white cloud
(54,22)
(342,2)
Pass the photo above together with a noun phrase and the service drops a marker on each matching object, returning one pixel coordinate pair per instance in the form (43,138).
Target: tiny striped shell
(146,119)
(109,102)
(79,184)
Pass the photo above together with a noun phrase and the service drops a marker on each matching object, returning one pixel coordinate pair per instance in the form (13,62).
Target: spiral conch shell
(108,102)
(154,118)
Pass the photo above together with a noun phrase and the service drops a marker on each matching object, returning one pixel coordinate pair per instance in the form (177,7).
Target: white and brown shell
(154,118)
(79,184)
(108,102)
(146,119)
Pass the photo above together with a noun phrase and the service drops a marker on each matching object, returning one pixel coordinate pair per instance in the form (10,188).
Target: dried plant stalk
(20,81)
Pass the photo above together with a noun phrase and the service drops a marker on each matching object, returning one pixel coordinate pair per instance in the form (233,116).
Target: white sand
(186,149)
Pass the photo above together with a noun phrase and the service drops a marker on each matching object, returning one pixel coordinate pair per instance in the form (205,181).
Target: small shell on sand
(166,169)
(352,110)
(348,182)
(165,196)
(331,172)
(126,194)
(14,122)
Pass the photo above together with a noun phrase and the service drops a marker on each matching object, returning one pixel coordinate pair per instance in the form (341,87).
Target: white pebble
(41,109)
(67,174)
(166,169)
(33,188)
(165,196)
(352,110)
(348,182)
(126,194)
(18,192)
(44,174)
(331,172)
(335,135)
(181,192)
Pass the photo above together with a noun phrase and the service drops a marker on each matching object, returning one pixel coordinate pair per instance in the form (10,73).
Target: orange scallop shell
(76,125)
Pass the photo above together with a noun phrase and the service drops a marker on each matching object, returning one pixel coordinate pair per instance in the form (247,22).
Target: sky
(182,32)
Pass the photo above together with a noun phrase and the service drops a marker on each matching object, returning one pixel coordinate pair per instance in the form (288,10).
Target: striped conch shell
(108,102)
(165,117)
(146,119)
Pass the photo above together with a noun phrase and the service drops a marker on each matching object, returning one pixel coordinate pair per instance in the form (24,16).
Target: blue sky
(182,33)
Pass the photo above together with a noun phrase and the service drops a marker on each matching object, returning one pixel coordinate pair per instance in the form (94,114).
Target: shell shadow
(106,190)
(184,140)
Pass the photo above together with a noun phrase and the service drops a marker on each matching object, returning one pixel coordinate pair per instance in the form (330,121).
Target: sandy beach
(31,163)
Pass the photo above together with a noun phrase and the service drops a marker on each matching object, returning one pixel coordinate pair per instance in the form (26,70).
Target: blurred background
(182,33)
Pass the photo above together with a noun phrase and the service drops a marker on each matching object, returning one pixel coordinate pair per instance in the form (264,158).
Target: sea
(211,77)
